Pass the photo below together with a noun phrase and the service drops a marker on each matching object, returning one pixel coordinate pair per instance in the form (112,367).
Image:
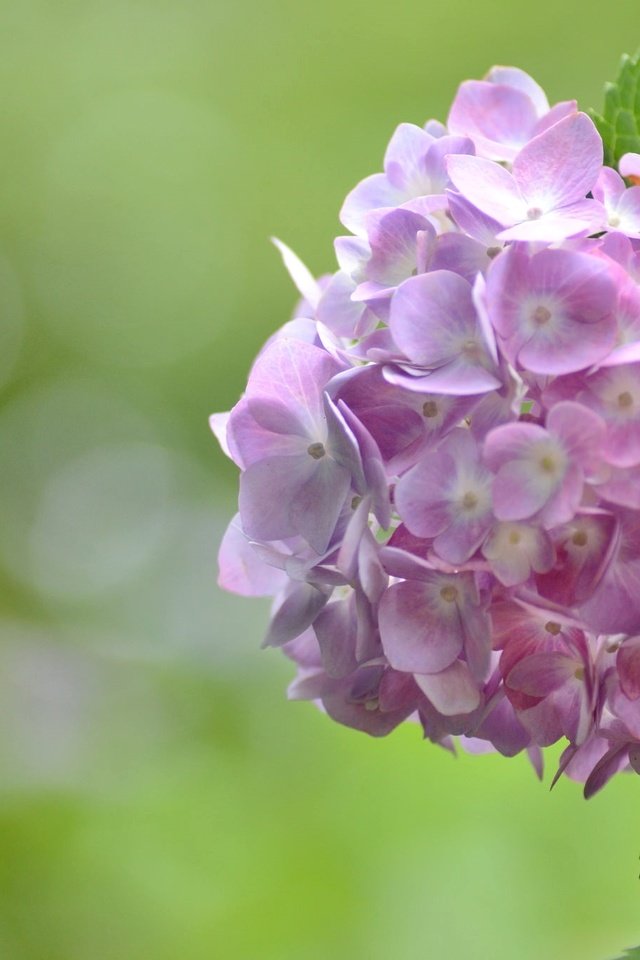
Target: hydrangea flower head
(440,453)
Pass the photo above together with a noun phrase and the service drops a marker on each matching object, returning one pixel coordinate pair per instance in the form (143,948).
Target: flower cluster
(440,452)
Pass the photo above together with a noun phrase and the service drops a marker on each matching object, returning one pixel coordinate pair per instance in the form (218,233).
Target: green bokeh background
(158,797)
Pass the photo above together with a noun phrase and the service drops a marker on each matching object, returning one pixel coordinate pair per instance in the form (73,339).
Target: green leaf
(619,125)
(632,954)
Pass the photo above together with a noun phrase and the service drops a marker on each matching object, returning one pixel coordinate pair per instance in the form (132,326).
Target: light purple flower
(544,197)
(440,451)
(447,496)
(433,321)
(614,393)
(622,205)
(299,458)
(552,310)
(401,244)
(503,112)
(515,550)
(414,167)
(426,624)
(402,422)
(540,472)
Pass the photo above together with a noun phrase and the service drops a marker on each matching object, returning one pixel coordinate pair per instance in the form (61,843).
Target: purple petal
(628,213)
(340,313)
(343,445)
(489,187)
(581,430)
(241,569)
(452,691)
(404,160)
(628,664)
(422,498)
(609,188)
(553,310)
(415,637)
(293,373)
(558,111)
(335,628)
(218,423)
(318,502)
(499,118)
(305,282)
(427,314)
(560,165)
(459,254)
(518,492)
(454,379)
(372,193)
(267,489)
(577,220)
(539,674)
(296,612)
(462,538)
(519,80)
(513,441)
(473,222)
(435,160)
(394,243)
(613,761)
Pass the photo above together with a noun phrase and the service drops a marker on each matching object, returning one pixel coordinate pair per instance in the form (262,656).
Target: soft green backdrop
(158,797)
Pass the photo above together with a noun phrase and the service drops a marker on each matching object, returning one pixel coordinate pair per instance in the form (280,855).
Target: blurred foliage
(159,798)
(619,124)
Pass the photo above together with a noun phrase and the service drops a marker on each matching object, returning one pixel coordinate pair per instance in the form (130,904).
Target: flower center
(449,593)
(316,450)
(625,400)
(429,409)
(514,537)
(548,464)
(469,501)
(534,213)
(580,538)
(552,627)
(541,316)
(470,350)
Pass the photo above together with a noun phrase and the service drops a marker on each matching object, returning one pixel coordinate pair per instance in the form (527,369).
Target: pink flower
(440,452)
